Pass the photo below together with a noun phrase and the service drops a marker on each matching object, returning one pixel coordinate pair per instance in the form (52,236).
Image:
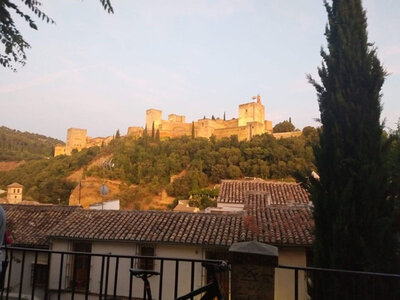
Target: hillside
(143,169)
(16,145)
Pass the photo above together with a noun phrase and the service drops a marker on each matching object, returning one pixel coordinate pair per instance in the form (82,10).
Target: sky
(198,58)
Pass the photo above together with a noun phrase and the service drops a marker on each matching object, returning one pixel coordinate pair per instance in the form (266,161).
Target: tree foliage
(16,145)
(45,180)
(150,163)
(352,214)
(14,44)
(285,126)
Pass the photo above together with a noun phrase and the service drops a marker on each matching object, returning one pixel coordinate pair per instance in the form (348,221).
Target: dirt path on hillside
(6,166)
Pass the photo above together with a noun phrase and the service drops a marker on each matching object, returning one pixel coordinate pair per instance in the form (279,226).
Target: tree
(152,131)
(285,126)
(193,131)
(11,38)
(117,135)
(353,218)
(157,138)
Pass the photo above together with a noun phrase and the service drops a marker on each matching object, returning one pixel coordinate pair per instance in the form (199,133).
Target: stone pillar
(253,270)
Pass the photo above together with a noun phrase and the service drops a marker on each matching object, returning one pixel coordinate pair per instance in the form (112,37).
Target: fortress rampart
(251,122)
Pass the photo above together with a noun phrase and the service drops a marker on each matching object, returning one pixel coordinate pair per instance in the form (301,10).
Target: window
(80,265)
(146,263)
(40,273)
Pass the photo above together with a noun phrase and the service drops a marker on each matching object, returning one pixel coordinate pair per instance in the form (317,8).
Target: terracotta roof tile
(277,224)
(238,191)
(31,224)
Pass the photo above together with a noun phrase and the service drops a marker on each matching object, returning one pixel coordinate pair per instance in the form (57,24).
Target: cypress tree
(157,138)
(353,221)
(152,131)
(193,132)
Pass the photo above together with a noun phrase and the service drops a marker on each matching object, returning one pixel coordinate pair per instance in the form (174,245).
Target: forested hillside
(145,165)
(16,145)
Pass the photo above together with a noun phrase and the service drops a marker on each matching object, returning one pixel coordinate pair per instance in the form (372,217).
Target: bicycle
(211,290)
(144,275)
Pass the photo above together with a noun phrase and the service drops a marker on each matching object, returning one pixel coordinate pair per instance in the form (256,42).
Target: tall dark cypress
(353,218)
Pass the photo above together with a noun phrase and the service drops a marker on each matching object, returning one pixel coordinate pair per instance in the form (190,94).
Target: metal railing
(321,283)
(49,274)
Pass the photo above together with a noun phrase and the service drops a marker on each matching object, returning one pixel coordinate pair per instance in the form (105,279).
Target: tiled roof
(277,224)
(15,184)
(30,224)
(282,225)
(151,226)
(239,191)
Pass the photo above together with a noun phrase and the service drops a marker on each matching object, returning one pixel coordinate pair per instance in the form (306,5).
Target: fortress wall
(168,129)
(285,135)
(242,132)
(76,139)
(268,126)
(206,127)
(176,118)
(135,131)
(251,112)
(59,150)
(256,128)
(232,123)
(153,115)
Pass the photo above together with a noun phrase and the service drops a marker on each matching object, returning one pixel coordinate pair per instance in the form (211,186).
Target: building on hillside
(251,122)
(183,206)
(77,139)
(14,192)
(239,195)
(106,205)
(284,221)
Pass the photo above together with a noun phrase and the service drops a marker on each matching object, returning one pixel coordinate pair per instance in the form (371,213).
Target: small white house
(14,192)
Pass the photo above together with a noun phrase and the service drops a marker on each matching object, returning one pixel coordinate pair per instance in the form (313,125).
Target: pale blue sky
(101,72)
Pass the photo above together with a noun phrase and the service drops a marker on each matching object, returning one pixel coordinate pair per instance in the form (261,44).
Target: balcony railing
(322,283)
(47,274)
(34,274)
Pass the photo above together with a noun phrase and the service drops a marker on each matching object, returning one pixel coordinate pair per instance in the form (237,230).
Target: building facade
(251,122)
(14,192)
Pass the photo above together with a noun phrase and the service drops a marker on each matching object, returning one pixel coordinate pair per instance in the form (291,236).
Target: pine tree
(353,221)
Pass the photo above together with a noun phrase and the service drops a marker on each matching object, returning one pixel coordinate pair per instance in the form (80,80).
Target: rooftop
(243,191)
(34,225)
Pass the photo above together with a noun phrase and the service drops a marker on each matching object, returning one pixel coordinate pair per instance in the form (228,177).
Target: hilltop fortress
(77,139)
(251,122)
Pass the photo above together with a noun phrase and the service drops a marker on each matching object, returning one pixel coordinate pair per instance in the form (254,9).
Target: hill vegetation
(145,166)
(16,145)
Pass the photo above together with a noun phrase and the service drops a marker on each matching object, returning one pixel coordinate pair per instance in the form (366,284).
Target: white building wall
(124,264)
(284,278)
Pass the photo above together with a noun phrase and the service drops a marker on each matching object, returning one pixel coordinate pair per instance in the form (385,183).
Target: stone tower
(252,112)
(76,139)
(153,115)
